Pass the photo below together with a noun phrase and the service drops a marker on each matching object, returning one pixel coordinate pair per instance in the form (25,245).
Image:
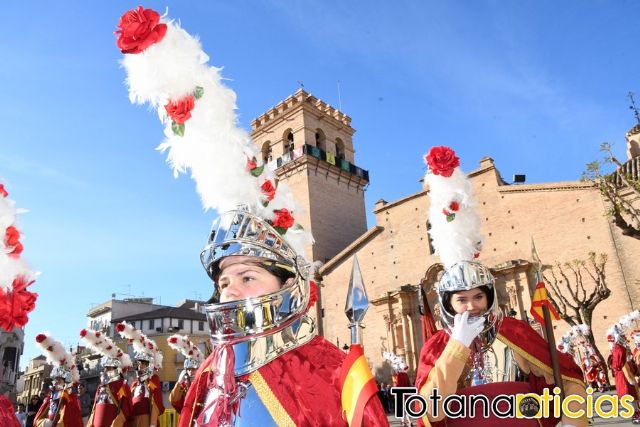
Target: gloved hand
(465,332)
(183,376)
(48,423)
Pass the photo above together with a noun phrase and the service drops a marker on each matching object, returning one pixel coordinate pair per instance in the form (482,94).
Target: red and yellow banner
(541,298)
(358,385)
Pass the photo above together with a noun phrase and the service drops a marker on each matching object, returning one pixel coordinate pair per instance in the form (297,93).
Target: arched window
(288,142)
(321,140)
(339,149)
(266,152)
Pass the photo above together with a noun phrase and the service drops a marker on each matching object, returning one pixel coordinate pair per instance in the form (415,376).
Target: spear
(357,303)
(358,385)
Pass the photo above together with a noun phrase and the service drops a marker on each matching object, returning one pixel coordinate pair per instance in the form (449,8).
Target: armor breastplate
(54,403)
(487,368)
(140,391)
(103,397)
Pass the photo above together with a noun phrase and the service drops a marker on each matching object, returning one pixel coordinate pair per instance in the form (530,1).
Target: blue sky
(535,85)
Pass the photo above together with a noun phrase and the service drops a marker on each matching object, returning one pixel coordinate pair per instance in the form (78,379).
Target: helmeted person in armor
(460,359)
(146,391)
(61,407)
(193,358)
(112,405)
(268,366)
(623,372)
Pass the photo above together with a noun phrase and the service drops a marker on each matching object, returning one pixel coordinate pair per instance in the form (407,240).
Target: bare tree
(576,288)
(620,188)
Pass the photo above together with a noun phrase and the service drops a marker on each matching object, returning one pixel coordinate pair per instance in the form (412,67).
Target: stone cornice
(295,102)
(400,201)
(552,186)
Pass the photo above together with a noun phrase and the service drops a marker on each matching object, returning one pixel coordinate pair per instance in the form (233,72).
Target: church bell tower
(309,145)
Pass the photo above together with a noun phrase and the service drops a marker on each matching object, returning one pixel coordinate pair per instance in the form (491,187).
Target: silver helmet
(191,363)
(241,233)
(464,276)
(110,375)
(62,372)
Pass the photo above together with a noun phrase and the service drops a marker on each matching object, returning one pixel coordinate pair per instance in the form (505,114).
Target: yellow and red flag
(540,299)
(358,385)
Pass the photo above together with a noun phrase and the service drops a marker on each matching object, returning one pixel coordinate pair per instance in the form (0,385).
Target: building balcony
(329,158)
(630,170)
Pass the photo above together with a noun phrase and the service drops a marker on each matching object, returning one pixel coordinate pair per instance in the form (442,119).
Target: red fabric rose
(268,189)
(283,219)
(180,110)
(12,240)
(138,29)
(3,192)
(442,161)
(251,164)
(16,304)
(454,206)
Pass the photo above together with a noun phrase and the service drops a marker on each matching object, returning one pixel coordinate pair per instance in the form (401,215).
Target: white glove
(183,376)
(48,423)
(465,332)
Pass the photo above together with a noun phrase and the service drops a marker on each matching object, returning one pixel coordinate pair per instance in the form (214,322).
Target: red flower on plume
(268,189)
(120,327)
(138,29)
(98,334)
(283,219)
(173,340)
(454,206)
(442,161)
(40,337)
(251,164)
(83,333)
(3,192)
(12,240)
(16,304)
(180,110)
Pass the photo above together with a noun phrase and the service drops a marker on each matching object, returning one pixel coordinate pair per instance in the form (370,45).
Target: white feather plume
(56,354)
(214,148)
(141,343)
(459,239)
(184,345)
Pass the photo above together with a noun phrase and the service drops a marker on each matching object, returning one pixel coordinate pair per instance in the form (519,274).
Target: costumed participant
(61,407)
(268,366)
(635,352)
(460,359)
(16,302)
(400,378)
(193,358)
(112,406)
(622,371)
(575,342)
(146,391)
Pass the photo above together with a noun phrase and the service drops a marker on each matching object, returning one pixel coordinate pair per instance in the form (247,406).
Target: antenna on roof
(301,83)
(339,98)
(634,107)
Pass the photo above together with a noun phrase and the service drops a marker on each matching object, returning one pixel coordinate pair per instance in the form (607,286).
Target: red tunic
(401,379)
(104,411)
(69,411)
(142,405)
(304,382)
(522,339)
(618,362)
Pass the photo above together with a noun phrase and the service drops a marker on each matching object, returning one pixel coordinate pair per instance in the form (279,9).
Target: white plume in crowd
(396,361)
(141,343)
(102,344)
(213,148)
(57,355)
(457,239)
(184,345)
(573,336)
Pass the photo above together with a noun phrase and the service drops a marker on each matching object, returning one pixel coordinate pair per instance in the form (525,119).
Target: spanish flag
(541,298)
(358,385)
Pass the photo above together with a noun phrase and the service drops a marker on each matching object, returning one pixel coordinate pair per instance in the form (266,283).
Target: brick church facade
(309,144)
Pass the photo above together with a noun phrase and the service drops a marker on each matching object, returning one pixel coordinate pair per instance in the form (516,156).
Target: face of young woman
(241,278)
(474,301)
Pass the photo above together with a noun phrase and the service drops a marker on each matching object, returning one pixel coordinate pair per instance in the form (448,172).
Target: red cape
(7,415)
(618,361)
(155,389)
(305,382)
(71,415)
(105,413)
(522,339)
